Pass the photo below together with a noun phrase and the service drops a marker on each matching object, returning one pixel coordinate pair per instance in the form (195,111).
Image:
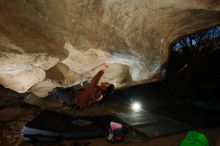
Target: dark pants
(67,94)
(63,94)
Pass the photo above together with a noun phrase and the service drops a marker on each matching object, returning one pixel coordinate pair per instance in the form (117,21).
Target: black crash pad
(152,124)
(50,125)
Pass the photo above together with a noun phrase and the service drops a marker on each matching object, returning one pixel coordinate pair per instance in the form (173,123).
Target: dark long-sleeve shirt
(97,77)
(92,94)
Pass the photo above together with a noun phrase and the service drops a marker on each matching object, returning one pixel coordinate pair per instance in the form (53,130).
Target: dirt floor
(14,116)
(11,130)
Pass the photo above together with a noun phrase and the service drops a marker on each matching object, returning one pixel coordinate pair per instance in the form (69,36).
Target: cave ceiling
(50,43)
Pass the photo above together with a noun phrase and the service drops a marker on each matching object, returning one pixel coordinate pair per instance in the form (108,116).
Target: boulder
(71,39)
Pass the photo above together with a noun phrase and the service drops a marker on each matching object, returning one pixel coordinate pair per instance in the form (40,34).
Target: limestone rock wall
(65,41)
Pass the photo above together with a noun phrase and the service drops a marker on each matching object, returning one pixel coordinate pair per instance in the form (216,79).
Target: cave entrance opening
(193,66)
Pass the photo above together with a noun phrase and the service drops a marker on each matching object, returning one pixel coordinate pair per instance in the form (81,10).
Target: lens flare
(136,106)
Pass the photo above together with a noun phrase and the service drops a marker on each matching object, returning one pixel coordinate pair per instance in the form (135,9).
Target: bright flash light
(136,106)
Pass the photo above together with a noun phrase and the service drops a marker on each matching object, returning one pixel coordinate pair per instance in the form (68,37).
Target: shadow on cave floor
(149,95)
(153,97)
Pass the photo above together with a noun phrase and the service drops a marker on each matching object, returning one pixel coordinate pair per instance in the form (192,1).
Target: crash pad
(153,125)
(51,125)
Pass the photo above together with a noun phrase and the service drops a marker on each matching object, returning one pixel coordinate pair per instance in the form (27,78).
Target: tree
(187,55)
(197,45)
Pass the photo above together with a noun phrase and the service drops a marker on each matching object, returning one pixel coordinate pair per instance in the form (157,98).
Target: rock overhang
(73,38)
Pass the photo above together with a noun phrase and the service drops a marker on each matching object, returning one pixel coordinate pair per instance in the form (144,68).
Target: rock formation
(60,42)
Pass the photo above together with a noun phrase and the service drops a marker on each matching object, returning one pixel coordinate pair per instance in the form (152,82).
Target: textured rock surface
(132,36)
(9,113)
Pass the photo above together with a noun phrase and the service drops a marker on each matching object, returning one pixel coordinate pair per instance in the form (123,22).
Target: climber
(82,96)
